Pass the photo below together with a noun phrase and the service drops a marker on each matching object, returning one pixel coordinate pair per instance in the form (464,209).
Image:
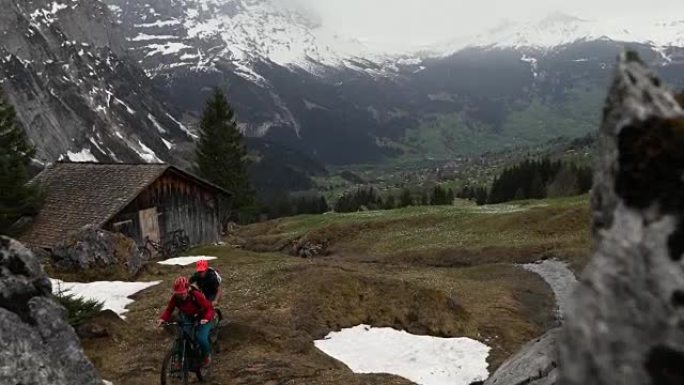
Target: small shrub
(79,310)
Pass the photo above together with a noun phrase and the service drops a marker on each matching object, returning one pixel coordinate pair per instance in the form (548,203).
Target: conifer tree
(389,203)
(405,199)
(450,197)
(221,156)
(323,205)
(17,199)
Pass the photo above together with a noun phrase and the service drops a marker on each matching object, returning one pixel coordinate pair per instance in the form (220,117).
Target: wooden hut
(138,200)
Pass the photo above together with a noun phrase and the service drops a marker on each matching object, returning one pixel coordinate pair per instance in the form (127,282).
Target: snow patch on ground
(156,124)
(159,23)
(168,144)
(147,154)
(533,64)
(128,108)
(82,156)
(561,279)
(146,37)
(499,209)
(166,49)
(424,360)
(182,126)
(114,294)
(185,261)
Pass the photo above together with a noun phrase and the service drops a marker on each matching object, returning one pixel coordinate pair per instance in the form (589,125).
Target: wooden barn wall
(181,204)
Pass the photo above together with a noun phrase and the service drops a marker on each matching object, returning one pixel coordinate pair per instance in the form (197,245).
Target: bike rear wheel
(145,253)
(174,372)
(185,242)
(170,249)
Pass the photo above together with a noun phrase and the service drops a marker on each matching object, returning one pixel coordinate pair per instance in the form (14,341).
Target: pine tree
(221,157)
(405,199)
(450,197)
(424,199)
(17,199)
(481,196)
(323,205)
(564,184)
(390,203)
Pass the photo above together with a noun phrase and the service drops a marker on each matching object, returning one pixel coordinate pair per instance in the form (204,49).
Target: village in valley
(225,192)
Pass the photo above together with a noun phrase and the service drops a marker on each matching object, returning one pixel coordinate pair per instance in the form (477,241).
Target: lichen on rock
(625,321)
(38,345)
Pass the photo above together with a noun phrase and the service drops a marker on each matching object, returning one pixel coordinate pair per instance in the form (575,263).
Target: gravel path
(559,277)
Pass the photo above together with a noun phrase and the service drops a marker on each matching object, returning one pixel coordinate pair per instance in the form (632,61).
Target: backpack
(218,276)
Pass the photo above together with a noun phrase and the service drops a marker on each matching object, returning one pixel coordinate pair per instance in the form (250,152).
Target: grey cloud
(418,22)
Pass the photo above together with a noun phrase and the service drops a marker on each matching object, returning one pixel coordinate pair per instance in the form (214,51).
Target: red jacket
(200,306)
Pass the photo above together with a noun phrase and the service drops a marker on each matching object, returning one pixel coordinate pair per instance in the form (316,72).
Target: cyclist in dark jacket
(192,305)
(207,280)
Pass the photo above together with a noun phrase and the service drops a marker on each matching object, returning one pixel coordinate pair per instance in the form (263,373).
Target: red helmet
(181,285)
(202,265)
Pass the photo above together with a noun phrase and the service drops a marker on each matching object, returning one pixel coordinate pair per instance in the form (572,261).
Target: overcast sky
(428,21)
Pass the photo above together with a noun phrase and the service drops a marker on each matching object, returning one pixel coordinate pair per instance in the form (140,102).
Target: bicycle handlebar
(180,323)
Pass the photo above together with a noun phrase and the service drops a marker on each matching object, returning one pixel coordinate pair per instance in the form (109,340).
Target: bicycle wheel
(184,242)
(145,253)
(213,339)
(173,371)
(170,249)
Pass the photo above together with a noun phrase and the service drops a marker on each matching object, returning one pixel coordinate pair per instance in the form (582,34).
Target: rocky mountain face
(38,345)
(294,82)
(92,81)
(63,65)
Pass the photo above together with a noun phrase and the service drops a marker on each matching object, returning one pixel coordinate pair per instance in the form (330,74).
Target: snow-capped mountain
(292,80)
(559,29)
(94,81)
(62,65)
(201,34)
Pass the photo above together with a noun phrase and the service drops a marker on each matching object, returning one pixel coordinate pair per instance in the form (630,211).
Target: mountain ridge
(62,65)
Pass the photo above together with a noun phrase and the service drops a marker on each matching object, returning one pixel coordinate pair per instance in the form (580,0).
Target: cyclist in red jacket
(192,306)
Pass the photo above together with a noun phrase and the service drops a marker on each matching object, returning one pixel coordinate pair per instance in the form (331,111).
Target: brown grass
(278,305)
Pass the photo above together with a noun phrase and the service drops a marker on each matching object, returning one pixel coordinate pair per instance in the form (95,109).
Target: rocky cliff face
(63,65)
(38,345)
(343,104)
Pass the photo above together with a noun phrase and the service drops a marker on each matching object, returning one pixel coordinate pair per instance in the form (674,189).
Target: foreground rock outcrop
(96,248)
(38,345)
(535,364)
(625,324)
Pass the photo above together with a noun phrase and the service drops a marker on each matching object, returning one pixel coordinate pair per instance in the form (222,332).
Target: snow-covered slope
(201,34)
(560,29)
(62,65)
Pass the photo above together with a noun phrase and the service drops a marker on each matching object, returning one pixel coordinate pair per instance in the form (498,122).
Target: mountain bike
(166,250)
(180,240)
(214,333)
(184,357)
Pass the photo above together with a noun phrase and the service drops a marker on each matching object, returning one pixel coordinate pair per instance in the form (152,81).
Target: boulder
(535,364)
(306,248)
(100,326)
(38,345)
(625,323)
(96,248)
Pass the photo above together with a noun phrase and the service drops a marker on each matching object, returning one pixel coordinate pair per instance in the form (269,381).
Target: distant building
(138,200)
